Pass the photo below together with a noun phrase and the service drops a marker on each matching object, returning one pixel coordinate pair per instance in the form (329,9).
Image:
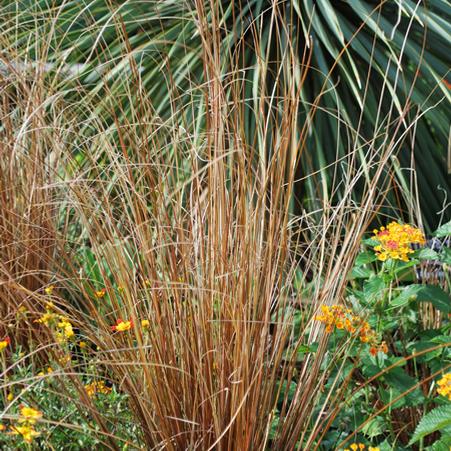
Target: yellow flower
(100,293)
(145,323)
(82,344)
(375,448)
(49,371)
(47,318)
(65,331)
(29,415)
(122,326)
(395,240)
(5,343)
(354,447)
(49,290)
(2,427)
(26,431)
(444,385)
(97,387)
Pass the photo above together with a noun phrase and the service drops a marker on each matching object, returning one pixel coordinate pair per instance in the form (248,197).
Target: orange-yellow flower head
(49,290)
(394,241)
(97,387)
(29,415)
(26,431)
(444,386)
(339,317)
(99,294)
(122,326)
(5,343)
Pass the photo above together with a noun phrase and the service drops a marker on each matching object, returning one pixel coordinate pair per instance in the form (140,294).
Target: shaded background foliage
(352,48)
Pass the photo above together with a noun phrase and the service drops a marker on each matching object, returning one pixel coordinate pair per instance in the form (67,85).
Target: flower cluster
(444,386)
(395,240)
(337,316)
(60,324)
(27,419)
(361,446)
(5,343)
(122,326)
(97,387)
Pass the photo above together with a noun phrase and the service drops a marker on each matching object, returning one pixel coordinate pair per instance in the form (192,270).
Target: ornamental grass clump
(212,270)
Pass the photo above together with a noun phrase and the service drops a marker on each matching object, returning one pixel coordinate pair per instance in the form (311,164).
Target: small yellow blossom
(49,371)
(5,343)
(65,330)
(2,427)
(65,360)
(82,344)
(29,415)
(97,387)
(10,396)
(49,290)
(373,448)
(99,294)
(444,386)
(145,323)
(122,326)
(26,431)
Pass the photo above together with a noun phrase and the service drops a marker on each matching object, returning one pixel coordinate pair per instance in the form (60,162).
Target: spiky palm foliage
(354,51)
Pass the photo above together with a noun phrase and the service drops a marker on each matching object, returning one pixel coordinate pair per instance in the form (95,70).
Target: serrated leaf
(427,254)
(436,296)
(374,427)
(435,420)
(445,255)
(444,230)
(364,258)
(373,288)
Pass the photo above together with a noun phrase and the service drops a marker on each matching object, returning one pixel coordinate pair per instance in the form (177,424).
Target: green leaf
(360,273)
(400,381)
(374,427)
(364,258)
(373,288)
(444,230)
(427,254)
(407,294)
(424,293)
(435,420)
(436,296)
(445,255)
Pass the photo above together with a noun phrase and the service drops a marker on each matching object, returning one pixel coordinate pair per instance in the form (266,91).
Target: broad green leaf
(436,296)
(364,258)
(424,293)
(427,254)
(436,420)
(445,255)
(444,230)
(373,289)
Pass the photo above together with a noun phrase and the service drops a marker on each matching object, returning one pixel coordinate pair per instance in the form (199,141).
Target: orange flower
(100,293)
(5,343)
(122,326)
